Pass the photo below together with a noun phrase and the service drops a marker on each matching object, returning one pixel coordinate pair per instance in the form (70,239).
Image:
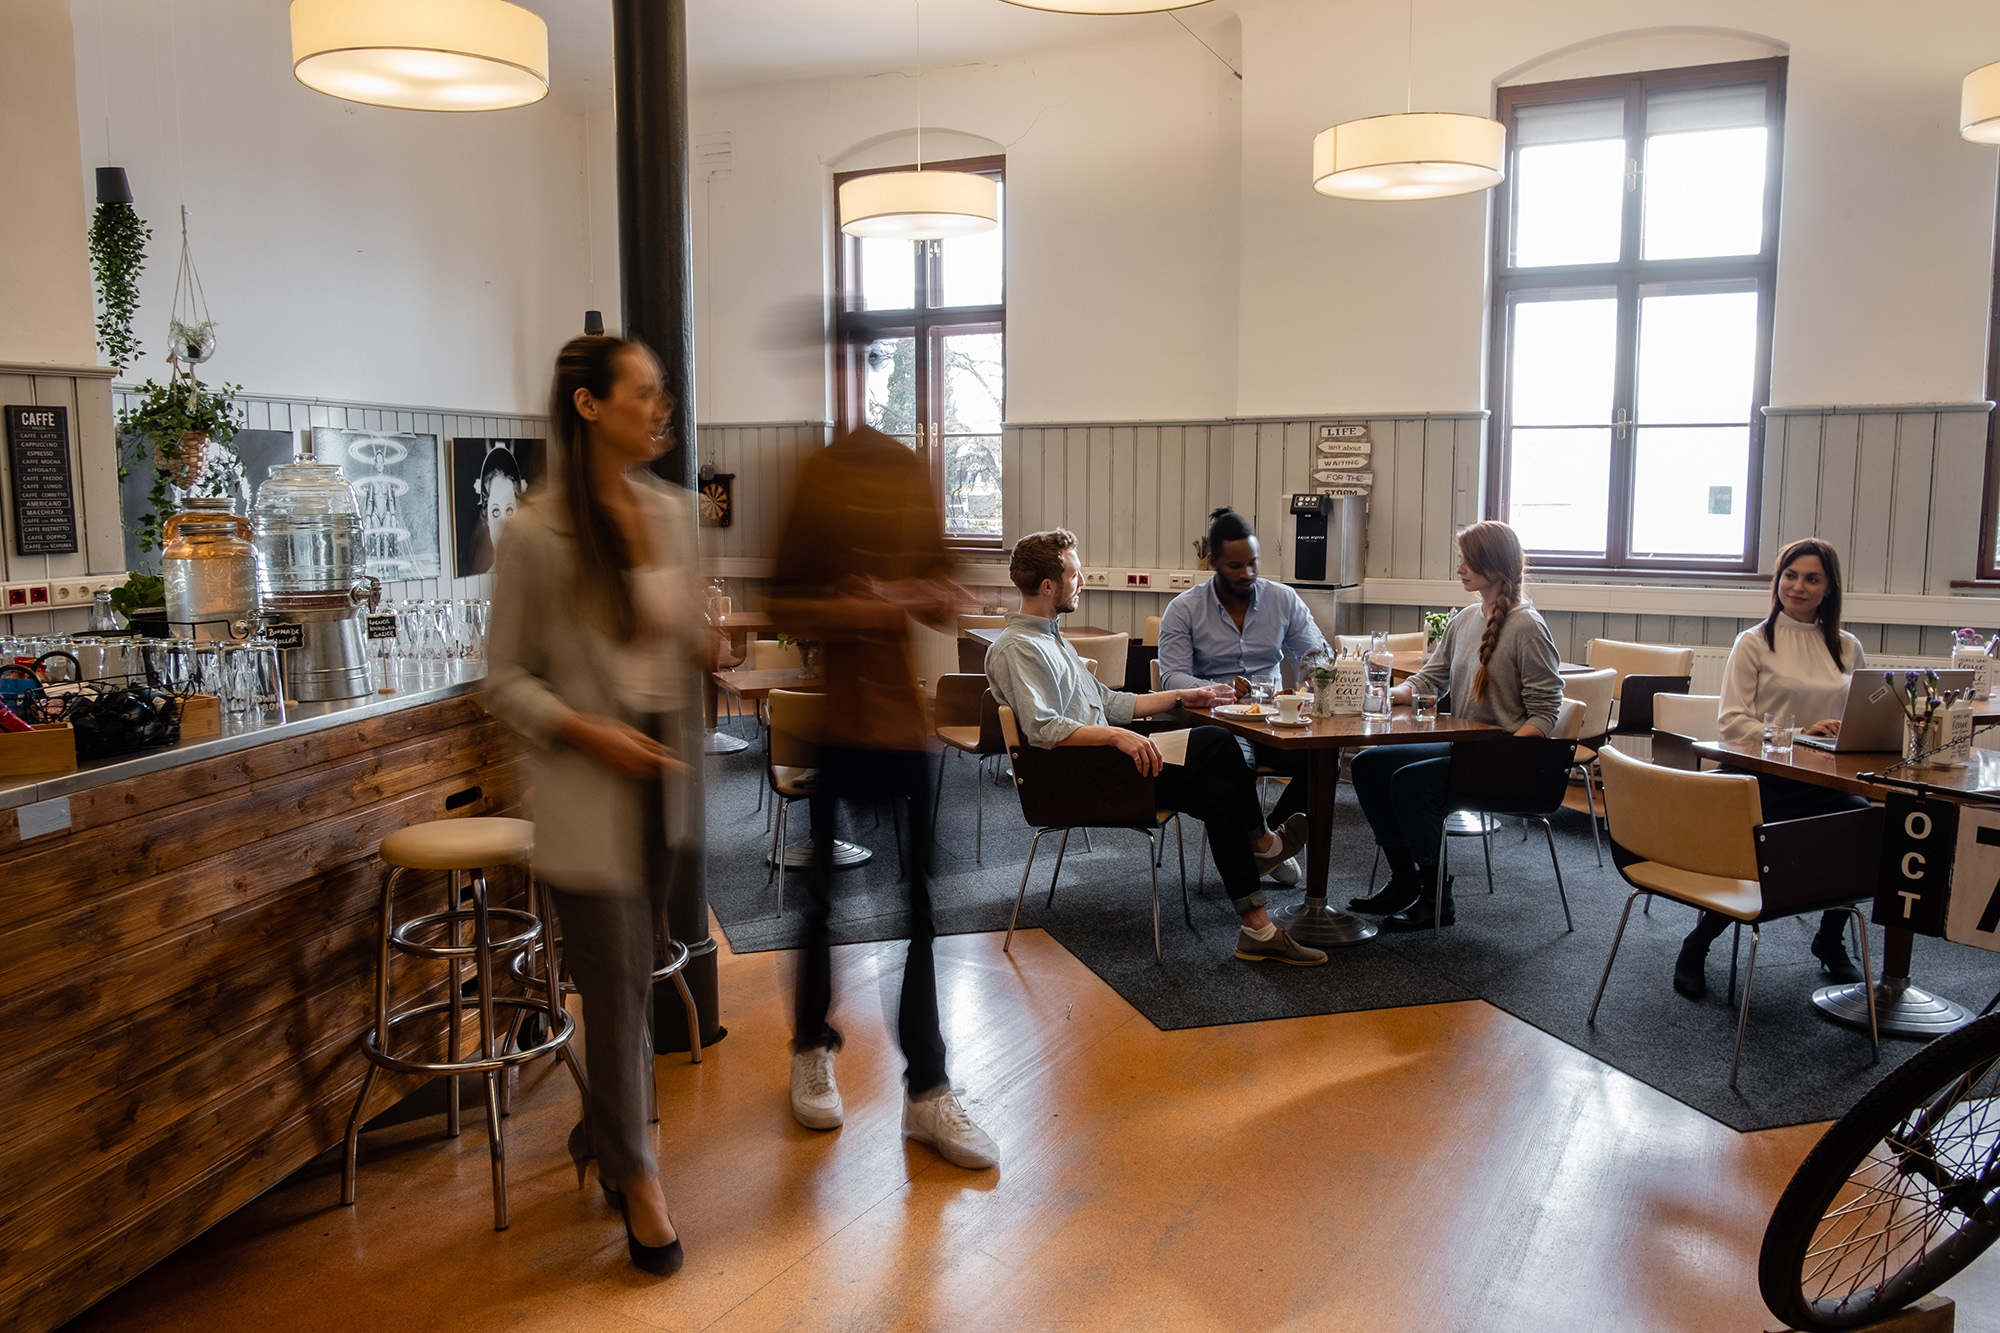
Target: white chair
(1151,638)
(1679,719)
(1639,659)
(1109,651)
(1592,692)
(771,655)
(1398,643)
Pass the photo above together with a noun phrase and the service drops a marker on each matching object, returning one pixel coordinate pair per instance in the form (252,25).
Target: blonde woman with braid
(1500,663)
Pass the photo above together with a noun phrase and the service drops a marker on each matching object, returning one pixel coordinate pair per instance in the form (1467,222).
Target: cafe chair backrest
(1703,823)
(981,622)
(1637,659)
(1695,716)
(1151,638)
(770,655)
(1412,642)
(1108,651)
(1591,689)
(796,726)
(1514,775)
(1087,786)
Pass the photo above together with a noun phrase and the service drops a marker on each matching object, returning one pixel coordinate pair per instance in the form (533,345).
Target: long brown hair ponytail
(590,362)
(1493,552)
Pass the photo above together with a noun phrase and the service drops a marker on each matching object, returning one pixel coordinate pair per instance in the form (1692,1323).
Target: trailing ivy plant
(180,431)
(118,255)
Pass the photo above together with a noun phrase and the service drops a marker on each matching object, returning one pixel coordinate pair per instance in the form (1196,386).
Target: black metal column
(656,283)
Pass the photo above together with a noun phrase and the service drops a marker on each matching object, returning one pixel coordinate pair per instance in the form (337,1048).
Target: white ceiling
(758,41)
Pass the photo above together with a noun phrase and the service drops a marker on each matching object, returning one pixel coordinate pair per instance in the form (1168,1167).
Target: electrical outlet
(1136,580)
(1180,580)
(38,596)
(68,592)
(1096,578)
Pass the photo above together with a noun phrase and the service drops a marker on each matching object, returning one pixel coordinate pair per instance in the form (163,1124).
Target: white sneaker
(815,1098)
(1287,872)
(943,1124)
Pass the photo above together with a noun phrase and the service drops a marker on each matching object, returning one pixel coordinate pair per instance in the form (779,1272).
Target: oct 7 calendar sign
(1974,913)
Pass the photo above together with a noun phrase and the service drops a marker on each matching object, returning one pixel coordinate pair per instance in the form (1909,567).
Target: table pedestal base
(846,856)
(721,742)
(1900,1011)
(1316,926)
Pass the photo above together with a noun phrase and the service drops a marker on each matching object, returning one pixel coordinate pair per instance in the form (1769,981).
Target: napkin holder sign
(1350,687)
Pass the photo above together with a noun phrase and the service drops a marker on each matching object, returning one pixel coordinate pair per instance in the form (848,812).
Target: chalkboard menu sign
(38,460)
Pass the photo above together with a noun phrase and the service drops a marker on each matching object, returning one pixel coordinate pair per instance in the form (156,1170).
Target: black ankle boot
(1689,978)
(1830,947)
(1426,911)
(1396,895)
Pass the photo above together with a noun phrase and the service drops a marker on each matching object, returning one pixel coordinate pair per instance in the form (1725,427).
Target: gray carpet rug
(1508,948)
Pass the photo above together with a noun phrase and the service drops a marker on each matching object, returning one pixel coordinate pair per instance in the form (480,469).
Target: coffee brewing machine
(311,577)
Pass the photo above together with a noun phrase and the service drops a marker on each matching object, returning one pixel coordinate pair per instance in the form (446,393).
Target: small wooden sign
(1345,437)
(38,460)
(382,626)
(1919,839)
(1329,477)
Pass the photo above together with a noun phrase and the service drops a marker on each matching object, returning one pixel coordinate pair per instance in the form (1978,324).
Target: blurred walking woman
(596,641)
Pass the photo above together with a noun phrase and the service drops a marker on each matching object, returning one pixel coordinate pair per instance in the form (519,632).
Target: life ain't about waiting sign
(38,467)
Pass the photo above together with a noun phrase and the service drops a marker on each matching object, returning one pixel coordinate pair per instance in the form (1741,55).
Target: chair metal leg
(1086,842)
(1486,846)
(693,1018)
(1616,940)
(483,969)
(1180,846)
(1590,804)
(387,924)
(1026,870)
(1201,863)
(780,848)
(937,797)
(1735,950)
(1437,892)
(1556,865)
(1743,1015)
(978,811)
(1158,955)
(896,827)
(777,848)
(1374,869)
(1061,847)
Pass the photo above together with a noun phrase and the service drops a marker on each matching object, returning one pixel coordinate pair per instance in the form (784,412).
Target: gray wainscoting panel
(765,459)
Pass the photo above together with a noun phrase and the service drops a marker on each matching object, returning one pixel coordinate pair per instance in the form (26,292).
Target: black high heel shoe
(659,1260)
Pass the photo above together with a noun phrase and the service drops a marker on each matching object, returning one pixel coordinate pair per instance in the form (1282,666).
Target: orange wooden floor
(1444,1167)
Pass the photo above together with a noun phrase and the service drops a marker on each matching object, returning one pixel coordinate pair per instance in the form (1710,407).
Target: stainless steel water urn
(311,578)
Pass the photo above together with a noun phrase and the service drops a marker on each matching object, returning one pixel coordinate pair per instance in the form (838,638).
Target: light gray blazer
(546,662)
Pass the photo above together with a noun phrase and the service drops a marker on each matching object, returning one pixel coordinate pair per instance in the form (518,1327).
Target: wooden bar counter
(188,940)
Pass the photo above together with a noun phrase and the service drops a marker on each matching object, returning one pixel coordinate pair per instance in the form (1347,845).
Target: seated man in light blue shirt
(1036,672)
(1236,629)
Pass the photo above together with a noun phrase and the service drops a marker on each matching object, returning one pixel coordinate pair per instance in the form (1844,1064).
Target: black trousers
(1782,799)
(1293,764)
(874,775)
(1401,789)
(1217,786)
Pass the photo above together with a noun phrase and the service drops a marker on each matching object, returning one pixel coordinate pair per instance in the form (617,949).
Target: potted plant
(181,430)
(1434,623)
(142,600)
(117,257)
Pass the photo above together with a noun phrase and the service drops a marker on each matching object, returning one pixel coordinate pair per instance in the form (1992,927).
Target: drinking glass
(255,691)
(1423,706)
(1778,735)
(205,669)
(472,616)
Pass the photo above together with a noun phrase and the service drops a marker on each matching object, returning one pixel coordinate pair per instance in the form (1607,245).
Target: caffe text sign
(1918,839)
(1974,916)
(38,465)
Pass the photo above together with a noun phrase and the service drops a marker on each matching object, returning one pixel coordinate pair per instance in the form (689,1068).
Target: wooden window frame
(855,329)
(1628,276)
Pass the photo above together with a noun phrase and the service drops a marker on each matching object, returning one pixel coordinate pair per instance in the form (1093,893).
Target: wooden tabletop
(1842,772)
(1353,730)
(757,684)
(739,620)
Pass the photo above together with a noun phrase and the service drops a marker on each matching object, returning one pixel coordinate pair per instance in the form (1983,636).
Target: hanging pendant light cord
(1410,63)
(1205,46)
(918,5)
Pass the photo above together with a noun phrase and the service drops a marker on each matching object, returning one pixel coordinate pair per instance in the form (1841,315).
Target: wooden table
(1312,922)
(756,685)
(739,626)
(1901,1009)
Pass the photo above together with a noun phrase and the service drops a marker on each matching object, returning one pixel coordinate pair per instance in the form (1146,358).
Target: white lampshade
(1414,155)
(422,55)
(1979,105)
(1107,6)
(919,205)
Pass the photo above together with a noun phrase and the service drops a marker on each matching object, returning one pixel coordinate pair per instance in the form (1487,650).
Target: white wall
(1170,261)
(44,257)
(1121,172)
(346,251)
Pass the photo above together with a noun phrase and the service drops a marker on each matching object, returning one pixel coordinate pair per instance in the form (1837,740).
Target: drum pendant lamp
(1410,155)
(919,205)
(1107,6)
(1979,105)
(422,55)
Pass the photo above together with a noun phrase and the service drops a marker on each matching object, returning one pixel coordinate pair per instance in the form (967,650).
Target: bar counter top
(300,720)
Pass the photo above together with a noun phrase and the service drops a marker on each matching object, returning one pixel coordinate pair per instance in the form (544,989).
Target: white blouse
(1797,676)
(652,672)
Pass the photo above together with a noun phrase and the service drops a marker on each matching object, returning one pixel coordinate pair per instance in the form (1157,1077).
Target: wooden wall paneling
(1096,496)
(1839,456)
(1170,536)
(1798,498)
(1233,474)
(1379,563)
(1909,513)
(1874,483)
(1201,446)
(1407,533)
(15,390)
(1772,482)
(1121,498)
(1262,506)
(1055,481)
(1901,640)
(1021,468)
(1435,553)
(1468,472)
(1956,470)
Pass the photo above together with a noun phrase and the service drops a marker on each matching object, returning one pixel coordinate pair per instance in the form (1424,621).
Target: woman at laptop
(1798,662)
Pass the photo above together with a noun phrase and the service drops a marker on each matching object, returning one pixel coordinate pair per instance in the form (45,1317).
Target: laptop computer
(1872,718)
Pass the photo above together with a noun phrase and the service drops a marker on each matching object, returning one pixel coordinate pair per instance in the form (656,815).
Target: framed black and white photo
(396,484)
(489,480)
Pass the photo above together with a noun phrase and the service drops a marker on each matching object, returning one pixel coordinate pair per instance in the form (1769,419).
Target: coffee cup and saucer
(1291,711)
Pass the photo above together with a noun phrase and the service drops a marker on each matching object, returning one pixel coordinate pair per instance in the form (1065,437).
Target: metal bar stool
(465,847)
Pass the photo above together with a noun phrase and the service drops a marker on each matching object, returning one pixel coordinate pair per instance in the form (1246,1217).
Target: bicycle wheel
(1899,1195)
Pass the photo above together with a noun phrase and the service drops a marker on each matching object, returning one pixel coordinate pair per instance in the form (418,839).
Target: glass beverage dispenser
(209,568)
(309,538)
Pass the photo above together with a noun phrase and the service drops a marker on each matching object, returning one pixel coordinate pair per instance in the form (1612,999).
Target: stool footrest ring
(473,1064)
(518,965)
(530,931)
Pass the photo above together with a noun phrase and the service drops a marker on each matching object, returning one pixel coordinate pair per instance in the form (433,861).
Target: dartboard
(715,503)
